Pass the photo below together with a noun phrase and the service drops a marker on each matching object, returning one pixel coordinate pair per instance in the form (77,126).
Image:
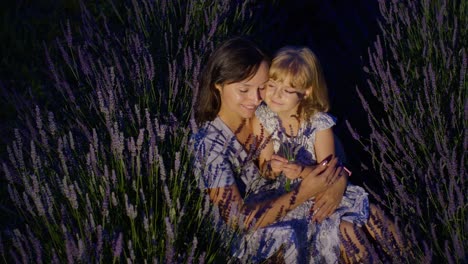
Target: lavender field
(96,162)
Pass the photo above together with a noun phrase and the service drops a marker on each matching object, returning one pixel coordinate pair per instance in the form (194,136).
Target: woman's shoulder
(209,132)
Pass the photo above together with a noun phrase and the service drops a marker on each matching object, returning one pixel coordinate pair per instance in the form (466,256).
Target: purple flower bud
(17,238)
(169,241)
(64,53)
(130,249)
(27,203)
(201,258)
(114,200)
(83,62)
(68,35)
(117,247)
(72,141)
(130,209)
(192,250)
(51,65)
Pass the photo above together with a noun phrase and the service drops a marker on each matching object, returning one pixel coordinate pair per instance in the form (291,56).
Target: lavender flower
(131,210)
(99,240)
(17,243)
(192,250)
(417,92)
(97,148)
(169,240)
(18,151)
(64,53)
(68,35)
(130,249)
(117,248)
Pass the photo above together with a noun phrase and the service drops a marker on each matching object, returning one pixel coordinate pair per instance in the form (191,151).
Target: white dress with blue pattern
(354,207)
(221,161)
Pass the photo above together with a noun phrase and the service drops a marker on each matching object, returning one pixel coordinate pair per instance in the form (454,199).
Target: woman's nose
(255,96)
(262,93)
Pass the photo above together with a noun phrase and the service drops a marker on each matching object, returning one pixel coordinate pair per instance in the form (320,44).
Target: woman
(225,155)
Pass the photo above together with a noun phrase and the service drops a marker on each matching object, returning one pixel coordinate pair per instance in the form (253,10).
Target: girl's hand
(292,170)
(327,201)
(277,163)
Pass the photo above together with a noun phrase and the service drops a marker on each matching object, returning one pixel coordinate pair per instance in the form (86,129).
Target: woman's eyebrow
(251,85)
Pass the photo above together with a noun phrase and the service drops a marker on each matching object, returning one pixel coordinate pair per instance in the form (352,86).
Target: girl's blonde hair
(302,68)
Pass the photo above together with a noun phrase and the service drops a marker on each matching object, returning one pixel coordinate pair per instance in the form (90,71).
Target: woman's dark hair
(234,60)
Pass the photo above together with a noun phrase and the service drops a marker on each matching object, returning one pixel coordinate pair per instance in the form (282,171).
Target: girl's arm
(266,151)
(324,144)
(327,201)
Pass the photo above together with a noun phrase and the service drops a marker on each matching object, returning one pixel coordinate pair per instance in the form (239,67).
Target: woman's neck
(242,129)
(235,124)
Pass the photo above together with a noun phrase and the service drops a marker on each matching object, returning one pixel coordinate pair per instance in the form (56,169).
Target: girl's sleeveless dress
(354,206)
(221,161)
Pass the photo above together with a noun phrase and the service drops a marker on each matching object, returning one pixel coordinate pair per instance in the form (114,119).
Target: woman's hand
(315,178)
(327,201)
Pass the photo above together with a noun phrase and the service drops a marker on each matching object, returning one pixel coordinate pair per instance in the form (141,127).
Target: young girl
(295,121)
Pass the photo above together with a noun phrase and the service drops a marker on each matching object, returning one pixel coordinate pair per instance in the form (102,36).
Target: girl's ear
(308,92)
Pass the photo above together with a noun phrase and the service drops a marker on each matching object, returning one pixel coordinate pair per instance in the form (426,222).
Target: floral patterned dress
(354,207)
(221,161)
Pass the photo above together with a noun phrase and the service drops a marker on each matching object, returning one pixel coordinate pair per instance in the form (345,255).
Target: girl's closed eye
(271,86)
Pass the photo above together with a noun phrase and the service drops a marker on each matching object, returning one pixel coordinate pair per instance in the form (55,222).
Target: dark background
(339,32)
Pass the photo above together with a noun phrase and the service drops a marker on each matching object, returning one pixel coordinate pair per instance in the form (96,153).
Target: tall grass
(103,173)
(417,111)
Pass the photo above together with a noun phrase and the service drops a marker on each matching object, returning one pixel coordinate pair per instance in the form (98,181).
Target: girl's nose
(277,93)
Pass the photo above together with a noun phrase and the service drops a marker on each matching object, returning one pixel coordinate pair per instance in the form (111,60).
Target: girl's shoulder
(263,111)
(322,120)
(266,117)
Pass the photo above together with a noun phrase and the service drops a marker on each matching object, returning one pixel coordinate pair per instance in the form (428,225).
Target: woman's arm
(265,213)
(327,201)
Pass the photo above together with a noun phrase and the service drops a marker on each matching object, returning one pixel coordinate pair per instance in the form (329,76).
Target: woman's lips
(250,107)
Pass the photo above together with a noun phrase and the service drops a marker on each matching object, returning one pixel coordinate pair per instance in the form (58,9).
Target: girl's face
(282,98)
(239,100)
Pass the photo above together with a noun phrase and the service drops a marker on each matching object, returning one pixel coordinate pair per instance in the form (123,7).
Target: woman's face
(239,100)
(283,99)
